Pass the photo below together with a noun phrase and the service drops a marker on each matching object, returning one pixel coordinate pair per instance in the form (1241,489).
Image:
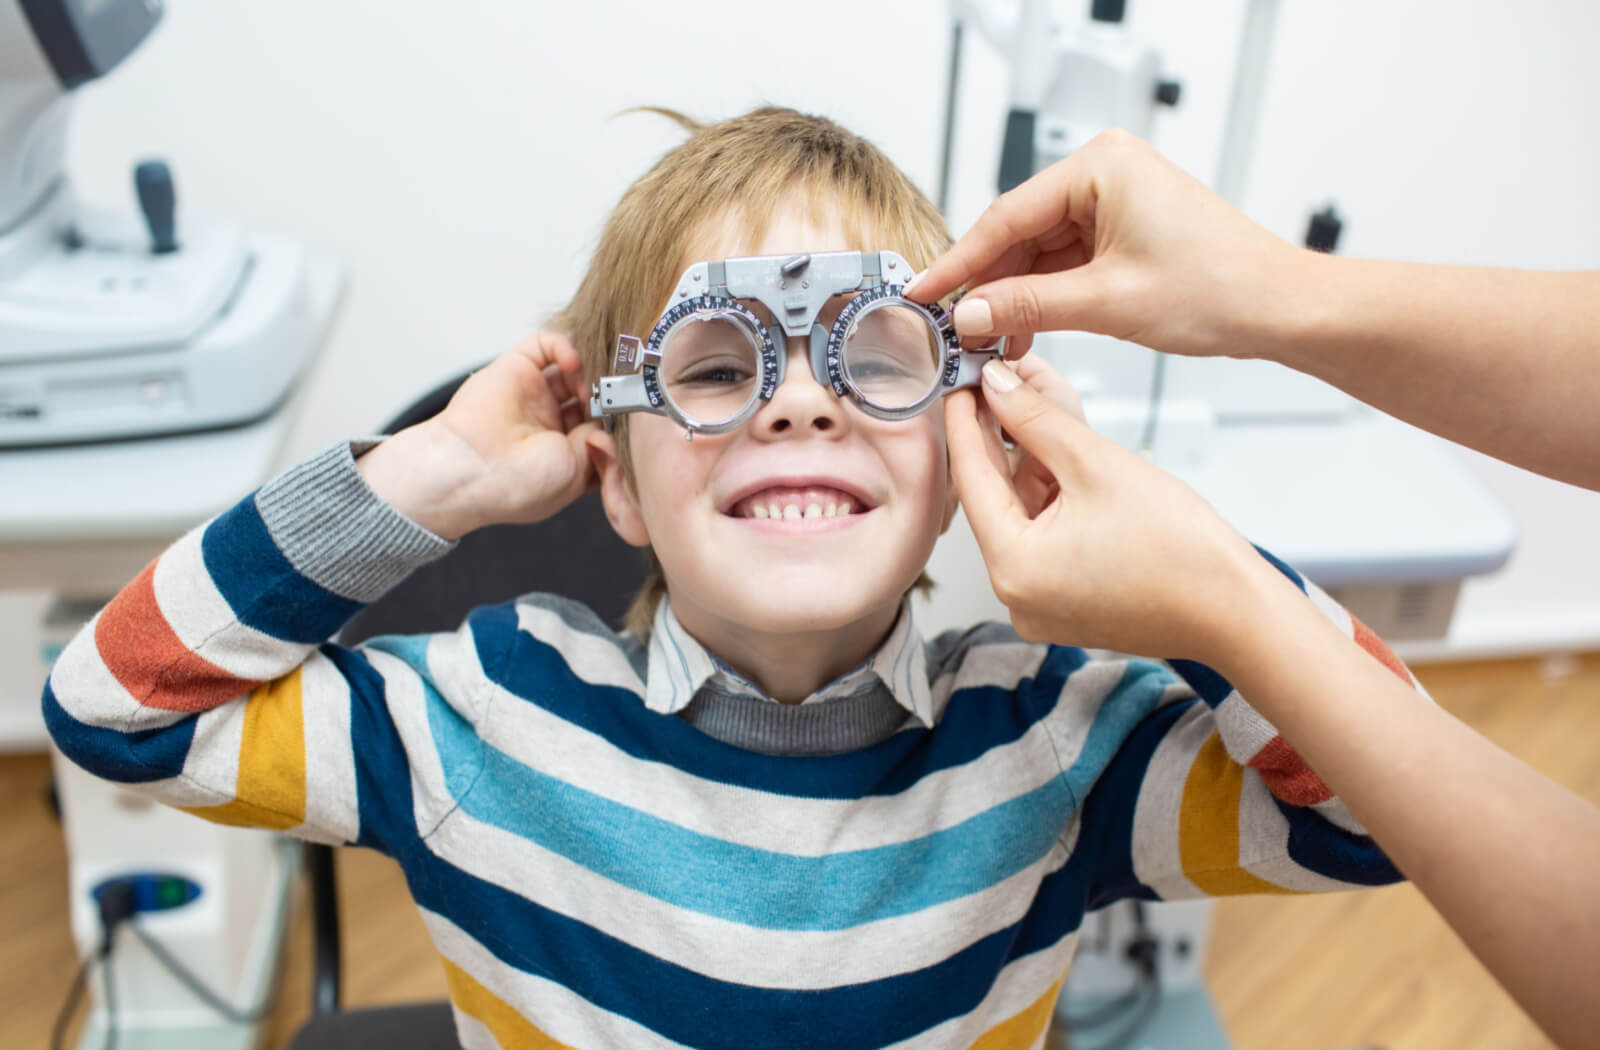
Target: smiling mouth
(797,503)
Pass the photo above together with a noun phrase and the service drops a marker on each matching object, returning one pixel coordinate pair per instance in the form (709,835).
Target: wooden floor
(1374,968)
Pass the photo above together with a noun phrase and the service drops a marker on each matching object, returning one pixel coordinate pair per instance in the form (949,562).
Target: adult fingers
(1046,302)
(1045,429)
(982,476)
(1032,209)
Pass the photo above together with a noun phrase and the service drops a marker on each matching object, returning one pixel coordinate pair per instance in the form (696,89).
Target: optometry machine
(146,368)
(1381,515)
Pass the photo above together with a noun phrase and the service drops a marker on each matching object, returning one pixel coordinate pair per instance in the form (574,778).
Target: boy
(768,815)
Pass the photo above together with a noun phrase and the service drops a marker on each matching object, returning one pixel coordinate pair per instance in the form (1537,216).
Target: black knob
(1167,92)
(152,180)
(1322,235)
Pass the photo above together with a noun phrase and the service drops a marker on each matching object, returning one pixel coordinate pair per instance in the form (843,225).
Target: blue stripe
(701,1011)
(1283,567)
(975,720)
(262,587)
(758,887)
(1330,850)
(383,775)
(1105,836)
(127,758)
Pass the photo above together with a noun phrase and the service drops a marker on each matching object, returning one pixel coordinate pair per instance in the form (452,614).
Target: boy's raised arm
(206,680)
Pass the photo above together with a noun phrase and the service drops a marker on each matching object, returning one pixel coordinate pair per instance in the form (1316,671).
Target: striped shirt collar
(679,667)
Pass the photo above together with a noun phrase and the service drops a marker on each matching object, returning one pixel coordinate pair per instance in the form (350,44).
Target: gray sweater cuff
(337,532)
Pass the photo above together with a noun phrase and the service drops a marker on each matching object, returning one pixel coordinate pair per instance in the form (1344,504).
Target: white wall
(460,158)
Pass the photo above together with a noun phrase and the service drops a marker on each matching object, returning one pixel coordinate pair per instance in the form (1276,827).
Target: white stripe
(595,661)
(473,1034)
(176,791)
(332,812)
(206,625)
(725,949)
(213,758)
(552,1008)
(1335,812)
(1264,842)
(87,690)
(1157,861)
(1244,731)
(430,794)
(1000,665)
(1018,987)
(532,736)
(1337,614)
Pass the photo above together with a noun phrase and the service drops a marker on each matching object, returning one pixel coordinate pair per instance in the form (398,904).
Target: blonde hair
(745,166)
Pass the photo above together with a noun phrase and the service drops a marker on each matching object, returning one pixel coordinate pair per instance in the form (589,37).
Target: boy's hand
(1086,543)
(509,447)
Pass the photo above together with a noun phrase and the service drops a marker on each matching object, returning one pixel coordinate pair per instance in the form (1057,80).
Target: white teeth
(813,510)
(774,510)
(833,508)
(758,510)
(791,511)
(844,508)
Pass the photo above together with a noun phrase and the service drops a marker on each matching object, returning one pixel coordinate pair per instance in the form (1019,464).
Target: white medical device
(114,327)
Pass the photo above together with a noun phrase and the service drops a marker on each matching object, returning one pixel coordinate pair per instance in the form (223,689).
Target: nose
(800,406)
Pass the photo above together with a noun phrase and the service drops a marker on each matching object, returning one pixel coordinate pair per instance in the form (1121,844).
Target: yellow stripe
(1208,825)
(271,788)
(1022,1030)
(509,1028)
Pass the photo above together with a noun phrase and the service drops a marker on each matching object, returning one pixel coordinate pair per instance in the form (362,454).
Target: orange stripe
(1374,645)
(1287,775)
(1208,825)
(1023,1029)
(509,1028)
(270,790)
(142,652)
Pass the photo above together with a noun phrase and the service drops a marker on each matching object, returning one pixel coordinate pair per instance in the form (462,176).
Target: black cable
(58,1033)
(1139,1003)
(195,985)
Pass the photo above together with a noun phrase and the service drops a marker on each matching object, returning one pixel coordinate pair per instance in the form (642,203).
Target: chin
(817,604)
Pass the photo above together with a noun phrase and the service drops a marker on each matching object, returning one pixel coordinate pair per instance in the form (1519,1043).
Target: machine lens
(710,366)
(892,355)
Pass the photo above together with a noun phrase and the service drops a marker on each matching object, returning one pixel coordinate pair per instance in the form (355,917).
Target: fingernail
(911,285)
(973,317)
(1001,378)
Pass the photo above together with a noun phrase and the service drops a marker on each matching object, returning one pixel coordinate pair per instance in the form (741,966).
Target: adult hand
(1088,544)
(1114,239)
(509,447)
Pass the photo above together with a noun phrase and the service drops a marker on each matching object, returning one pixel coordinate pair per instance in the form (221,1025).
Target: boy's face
(706,506)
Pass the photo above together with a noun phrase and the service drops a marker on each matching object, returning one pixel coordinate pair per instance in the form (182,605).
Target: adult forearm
(1509,858)
(1504,361)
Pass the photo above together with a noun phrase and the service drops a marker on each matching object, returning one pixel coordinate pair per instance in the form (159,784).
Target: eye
(723,370)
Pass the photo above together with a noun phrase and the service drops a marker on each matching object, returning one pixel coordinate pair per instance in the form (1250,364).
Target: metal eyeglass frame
(794,288)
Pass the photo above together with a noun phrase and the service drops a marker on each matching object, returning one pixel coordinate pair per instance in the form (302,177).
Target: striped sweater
(615,844)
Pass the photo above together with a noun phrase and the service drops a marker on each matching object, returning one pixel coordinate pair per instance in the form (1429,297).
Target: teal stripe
(460,748)
(758,887)
(1134,697)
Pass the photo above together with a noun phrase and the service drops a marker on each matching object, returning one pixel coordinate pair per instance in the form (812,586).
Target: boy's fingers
(982,477)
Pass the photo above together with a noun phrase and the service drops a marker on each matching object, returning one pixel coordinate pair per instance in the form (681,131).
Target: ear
(622,509)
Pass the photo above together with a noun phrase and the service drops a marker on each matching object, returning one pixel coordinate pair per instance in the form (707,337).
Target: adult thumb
(1043,302)
(1043,428)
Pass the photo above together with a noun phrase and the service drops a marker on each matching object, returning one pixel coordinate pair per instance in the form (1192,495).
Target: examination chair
(488,566)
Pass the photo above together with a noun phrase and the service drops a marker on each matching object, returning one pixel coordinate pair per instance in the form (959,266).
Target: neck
(791,665)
